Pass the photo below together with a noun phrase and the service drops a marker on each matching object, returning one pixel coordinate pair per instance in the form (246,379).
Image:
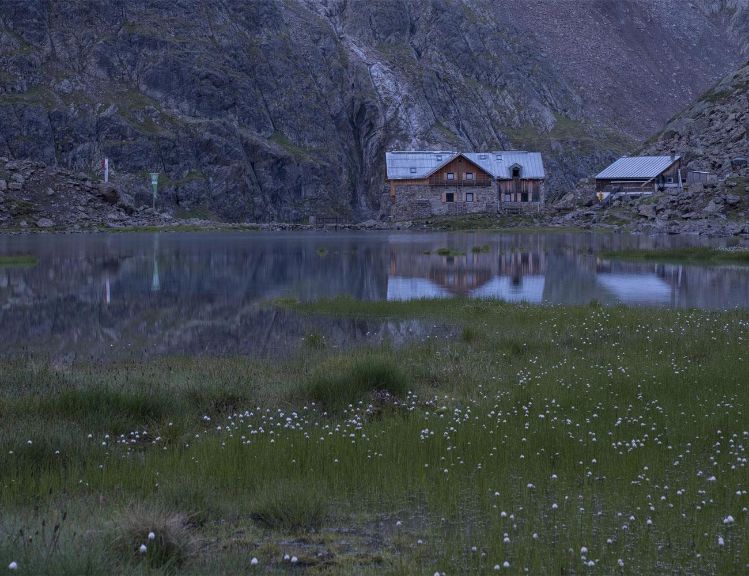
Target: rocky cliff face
(714,130)
(277,110)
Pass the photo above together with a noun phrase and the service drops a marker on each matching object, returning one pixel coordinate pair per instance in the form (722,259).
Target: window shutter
(444,197)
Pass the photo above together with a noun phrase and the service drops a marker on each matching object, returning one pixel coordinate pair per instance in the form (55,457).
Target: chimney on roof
(673,155)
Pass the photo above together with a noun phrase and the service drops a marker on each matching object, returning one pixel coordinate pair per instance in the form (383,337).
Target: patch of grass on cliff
(19,261)
(697,255)
(585,137)
(284,142)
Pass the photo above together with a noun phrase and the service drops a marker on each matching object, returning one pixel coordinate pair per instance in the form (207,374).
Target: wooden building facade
(424,184)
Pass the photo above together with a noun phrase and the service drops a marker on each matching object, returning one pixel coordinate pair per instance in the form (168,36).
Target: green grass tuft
(290,507)
(336,385)
(173,544)
(449,252)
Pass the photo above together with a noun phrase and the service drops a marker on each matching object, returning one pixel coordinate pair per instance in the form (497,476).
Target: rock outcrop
(713,133)
(268,110)
(35,196)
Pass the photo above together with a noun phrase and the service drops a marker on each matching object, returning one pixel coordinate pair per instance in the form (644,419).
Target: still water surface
(122,294)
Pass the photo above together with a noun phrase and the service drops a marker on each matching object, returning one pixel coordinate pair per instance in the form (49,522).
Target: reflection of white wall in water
(402,288)
(640,288)
(528,289)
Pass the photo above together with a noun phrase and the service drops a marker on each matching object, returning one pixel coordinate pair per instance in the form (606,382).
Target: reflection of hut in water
(519,264)
(513,275)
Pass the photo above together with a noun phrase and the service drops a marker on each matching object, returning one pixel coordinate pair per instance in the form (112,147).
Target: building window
(499,157)
(451,175)
(450,197)
(469,196)
(482,156)
(670,180)
(469,175)
(516,171)
(439,158)
(413,170)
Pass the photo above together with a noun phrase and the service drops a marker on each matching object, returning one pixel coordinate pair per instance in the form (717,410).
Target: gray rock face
(270,110)
(714,131)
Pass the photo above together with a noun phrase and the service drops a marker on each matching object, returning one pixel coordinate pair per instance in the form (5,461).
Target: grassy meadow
(574,440)
(18,261)
(697,255)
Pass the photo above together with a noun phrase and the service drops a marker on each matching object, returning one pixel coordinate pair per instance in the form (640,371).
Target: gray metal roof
(499,164)
(637,167)
(415,164)
(403,165)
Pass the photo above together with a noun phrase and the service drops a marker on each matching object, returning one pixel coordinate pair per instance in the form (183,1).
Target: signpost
(155,185)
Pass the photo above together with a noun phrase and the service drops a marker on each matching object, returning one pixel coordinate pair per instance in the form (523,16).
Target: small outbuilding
(640,176)
(433,183)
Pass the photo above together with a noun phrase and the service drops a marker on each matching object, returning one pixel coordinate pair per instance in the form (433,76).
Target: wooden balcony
(478,182)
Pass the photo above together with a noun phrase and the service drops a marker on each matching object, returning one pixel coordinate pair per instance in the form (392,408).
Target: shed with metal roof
(633,175)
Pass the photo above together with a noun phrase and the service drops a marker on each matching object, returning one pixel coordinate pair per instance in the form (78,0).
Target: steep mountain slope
(276,110)
(714,130)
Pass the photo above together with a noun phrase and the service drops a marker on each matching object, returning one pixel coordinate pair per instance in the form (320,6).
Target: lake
(109,296)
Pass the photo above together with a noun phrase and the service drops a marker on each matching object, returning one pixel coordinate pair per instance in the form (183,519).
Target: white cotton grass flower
(151,536)
(583,551)
(505,564)
(286,557)
(620,562)
(143,549)
(294,559)
(497,567)
(13,566)
(254,561)
(728,519)
(721,542)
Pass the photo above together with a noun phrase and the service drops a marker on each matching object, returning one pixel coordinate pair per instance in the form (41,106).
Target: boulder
(646,210)
(109,193)
(713,207)
(45,223)
(126,202)
(732,199)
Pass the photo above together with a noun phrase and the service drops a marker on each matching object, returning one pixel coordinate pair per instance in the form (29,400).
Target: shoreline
(482,224)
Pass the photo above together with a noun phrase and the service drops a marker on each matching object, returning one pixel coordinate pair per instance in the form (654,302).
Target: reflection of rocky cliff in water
(114,296)
(147,297)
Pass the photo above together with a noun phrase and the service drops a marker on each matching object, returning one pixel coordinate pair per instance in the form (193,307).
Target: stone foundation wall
(417,201)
